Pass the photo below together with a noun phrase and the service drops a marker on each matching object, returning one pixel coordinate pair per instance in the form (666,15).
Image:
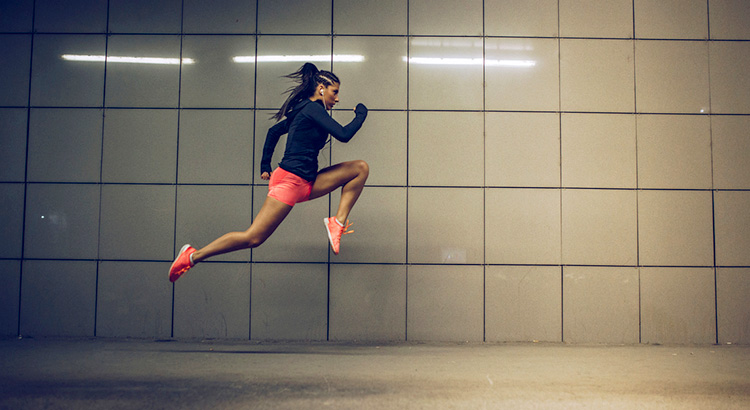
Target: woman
(297,178)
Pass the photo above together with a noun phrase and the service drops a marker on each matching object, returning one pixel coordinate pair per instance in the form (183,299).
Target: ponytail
(308,77)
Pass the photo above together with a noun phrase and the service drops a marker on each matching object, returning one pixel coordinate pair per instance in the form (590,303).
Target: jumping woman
(297,178)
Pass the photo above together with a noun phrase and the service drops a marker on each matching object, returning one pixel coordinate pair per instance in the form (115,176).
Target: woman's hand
(266,176)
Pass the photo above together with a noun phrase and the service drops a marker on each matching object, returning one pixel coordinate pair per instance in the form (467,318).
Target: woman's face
(330,95)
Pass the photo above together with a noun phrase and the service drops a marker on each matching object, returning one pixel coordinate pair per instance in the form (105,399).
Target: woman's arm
(341,133)
(272,138)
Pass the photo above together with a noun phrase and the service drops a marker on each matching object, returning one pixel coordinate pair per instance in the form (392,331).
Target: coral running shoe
(335,231)
(182,264)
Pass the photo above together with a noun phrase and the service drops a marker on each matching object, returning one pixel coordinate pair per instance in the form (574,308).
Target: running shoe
(182,264)
(335,231)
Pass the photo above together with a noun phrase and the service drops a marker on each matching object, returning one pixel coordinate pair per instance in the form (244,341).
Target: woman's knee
(363,169)
(251,240)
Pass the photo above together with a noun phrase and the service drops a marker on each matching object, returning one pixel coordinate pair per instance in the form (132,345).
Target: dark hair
(308,77)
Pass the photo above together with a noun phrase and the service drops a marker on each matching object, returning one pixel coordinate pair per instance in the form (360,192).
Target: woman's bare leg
(350,176)
(268,219)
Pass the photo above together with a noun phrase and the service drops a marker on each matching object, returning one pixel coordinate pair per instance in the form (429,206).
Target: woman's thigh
(335,176)
(270,216)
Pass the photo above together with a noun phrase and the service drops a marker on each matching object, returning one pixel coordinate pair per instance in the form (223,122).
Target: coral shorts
(288,188)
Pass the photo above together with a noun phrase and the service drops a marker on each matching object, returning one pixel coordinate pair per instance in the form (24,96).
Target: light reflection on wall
(339,58)
(345,58)
(469,61)
(128,60)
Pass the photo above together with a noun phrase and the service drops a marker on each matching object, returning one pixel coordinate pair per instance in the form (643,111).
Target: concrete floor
(128,374)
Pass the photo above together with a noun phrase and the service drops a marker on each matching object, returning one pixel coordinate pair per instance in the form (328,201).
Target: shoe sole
(184,248)
(330,238)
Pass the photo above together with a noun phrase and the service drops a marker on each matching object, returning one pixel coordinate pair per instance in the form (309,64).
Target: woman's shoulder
(311,110)
(301,110)
(309,105)
(306,110)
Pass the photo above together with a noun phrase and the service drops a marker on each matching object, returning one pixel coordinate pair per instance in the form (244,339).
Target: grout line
(408,126)
(716,284)
(632,10)
(637,185)
(638,232)
(101,178)
(698,114)
(26,171)
(260,184)
(252,177)
(484,174)
(330,209)
(177,159)
(562,304)
(560,158)
(713,180)
(708,19)
(365,263)
(257,33)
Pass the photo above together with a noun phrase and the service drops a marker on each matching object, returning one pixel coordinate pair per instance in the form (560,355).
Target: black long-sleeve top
(308,126)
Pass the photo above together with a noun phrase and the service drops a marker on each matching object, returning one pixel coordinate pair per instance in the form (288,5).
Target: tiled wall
(571,170)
